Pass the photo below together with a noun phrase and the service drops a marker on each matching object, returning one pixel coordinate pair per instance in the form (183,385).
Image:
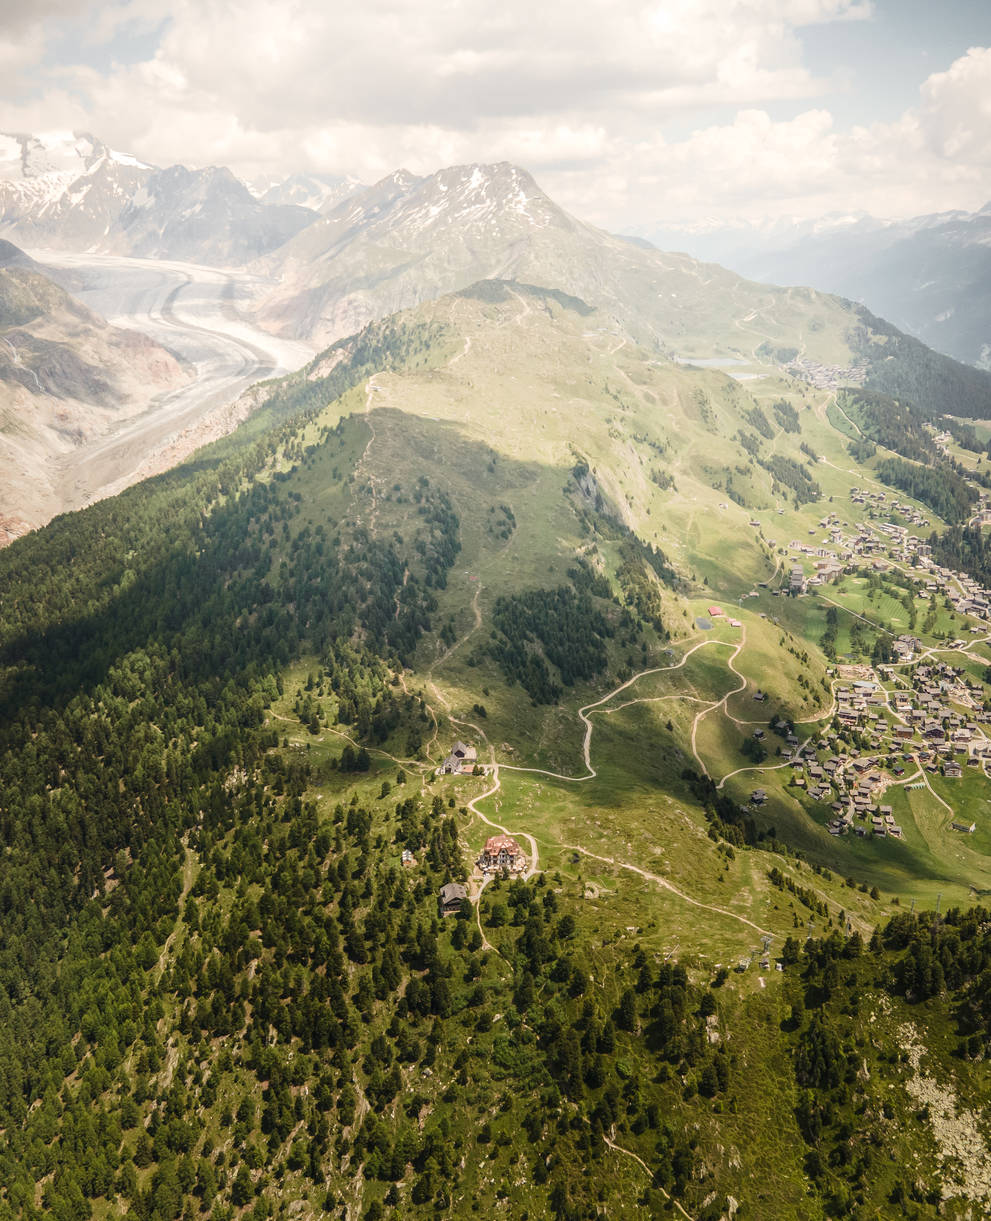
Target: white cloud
(580,91)
(404,72)
(955,114)
(16,16)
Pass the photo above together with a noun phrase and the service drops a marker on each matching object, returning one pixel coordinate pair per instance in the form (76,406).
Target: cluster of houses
(826,377)
(852,784)
(879,502)
(934,714)
(920,714)
(966,595)
(882,542)
(915,723)
(845,548)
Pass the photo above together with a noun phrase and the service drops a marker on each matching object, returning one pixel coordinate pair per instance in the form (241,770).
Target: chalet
(952,770)
(461,760)
(452,895)
(967,828)
(502,852)
(758,797)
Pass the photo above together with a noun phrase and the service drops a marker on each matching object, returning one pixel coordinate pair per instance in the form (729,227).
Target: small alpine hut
(461,760)
(452,894)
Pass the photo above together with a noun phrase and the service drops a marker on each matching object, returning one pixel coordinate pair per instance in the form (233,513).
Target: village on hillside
(901,721)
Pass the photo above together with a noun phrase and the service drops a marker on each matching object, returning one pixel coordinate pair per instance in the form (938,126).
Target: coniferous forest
(224,994)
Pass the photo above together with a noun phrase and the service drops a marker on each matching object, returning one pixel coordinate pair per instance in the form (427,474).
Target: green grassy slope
(225,696)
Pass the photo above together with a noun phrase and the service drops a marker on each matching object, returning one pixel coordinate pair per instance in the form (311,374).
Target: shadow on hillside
(200,586)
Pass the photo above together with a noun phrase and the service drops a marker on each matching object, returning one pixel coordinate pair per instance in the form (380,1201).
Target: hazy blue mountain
(929,275)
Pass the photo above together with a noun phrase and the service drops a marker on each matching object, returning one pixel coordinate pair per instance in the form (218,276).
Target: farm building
(462,759)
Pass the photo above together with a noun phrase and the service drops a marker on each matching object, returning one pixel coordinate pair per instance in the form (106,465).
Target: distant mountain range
(319,192)
(375,250)
(409,239)
(929,275)
(74,192)
(345,254)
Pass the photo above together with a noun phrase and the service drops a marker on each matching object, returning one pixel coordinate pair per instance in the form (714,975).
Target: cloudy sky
(634,115)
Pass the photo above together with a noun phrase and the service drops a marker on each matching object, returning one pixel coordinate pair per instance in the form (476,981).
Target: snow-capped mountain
(929,275)
(73,192)
(407,239)
(204,216)
(65,154)
(64,190)
(319,192)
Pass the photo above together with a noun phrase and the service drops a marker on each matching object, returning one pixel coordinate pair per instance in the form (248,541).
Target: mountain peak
(320,192)
(57,154)
(475,196)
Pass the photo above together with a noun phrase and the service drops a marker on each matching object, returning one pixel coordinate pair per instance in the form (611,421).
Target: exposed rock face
(66,377)
(962,1148)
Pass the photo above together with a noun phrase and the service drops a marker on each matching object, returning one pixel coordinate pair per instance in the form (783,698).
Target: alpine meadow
(495,716)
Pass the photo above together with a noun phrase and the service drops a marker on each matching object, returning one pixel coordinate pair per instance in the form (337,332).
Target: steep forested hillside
(226,988)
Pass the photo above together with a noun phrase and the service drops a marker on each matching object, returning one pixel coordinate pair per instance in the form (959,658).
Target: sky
(635,116)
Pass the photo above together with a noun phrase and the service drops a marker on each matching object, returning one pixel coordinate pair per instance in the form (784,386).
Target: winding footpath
(584,714)
(666,885)
(720,703)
